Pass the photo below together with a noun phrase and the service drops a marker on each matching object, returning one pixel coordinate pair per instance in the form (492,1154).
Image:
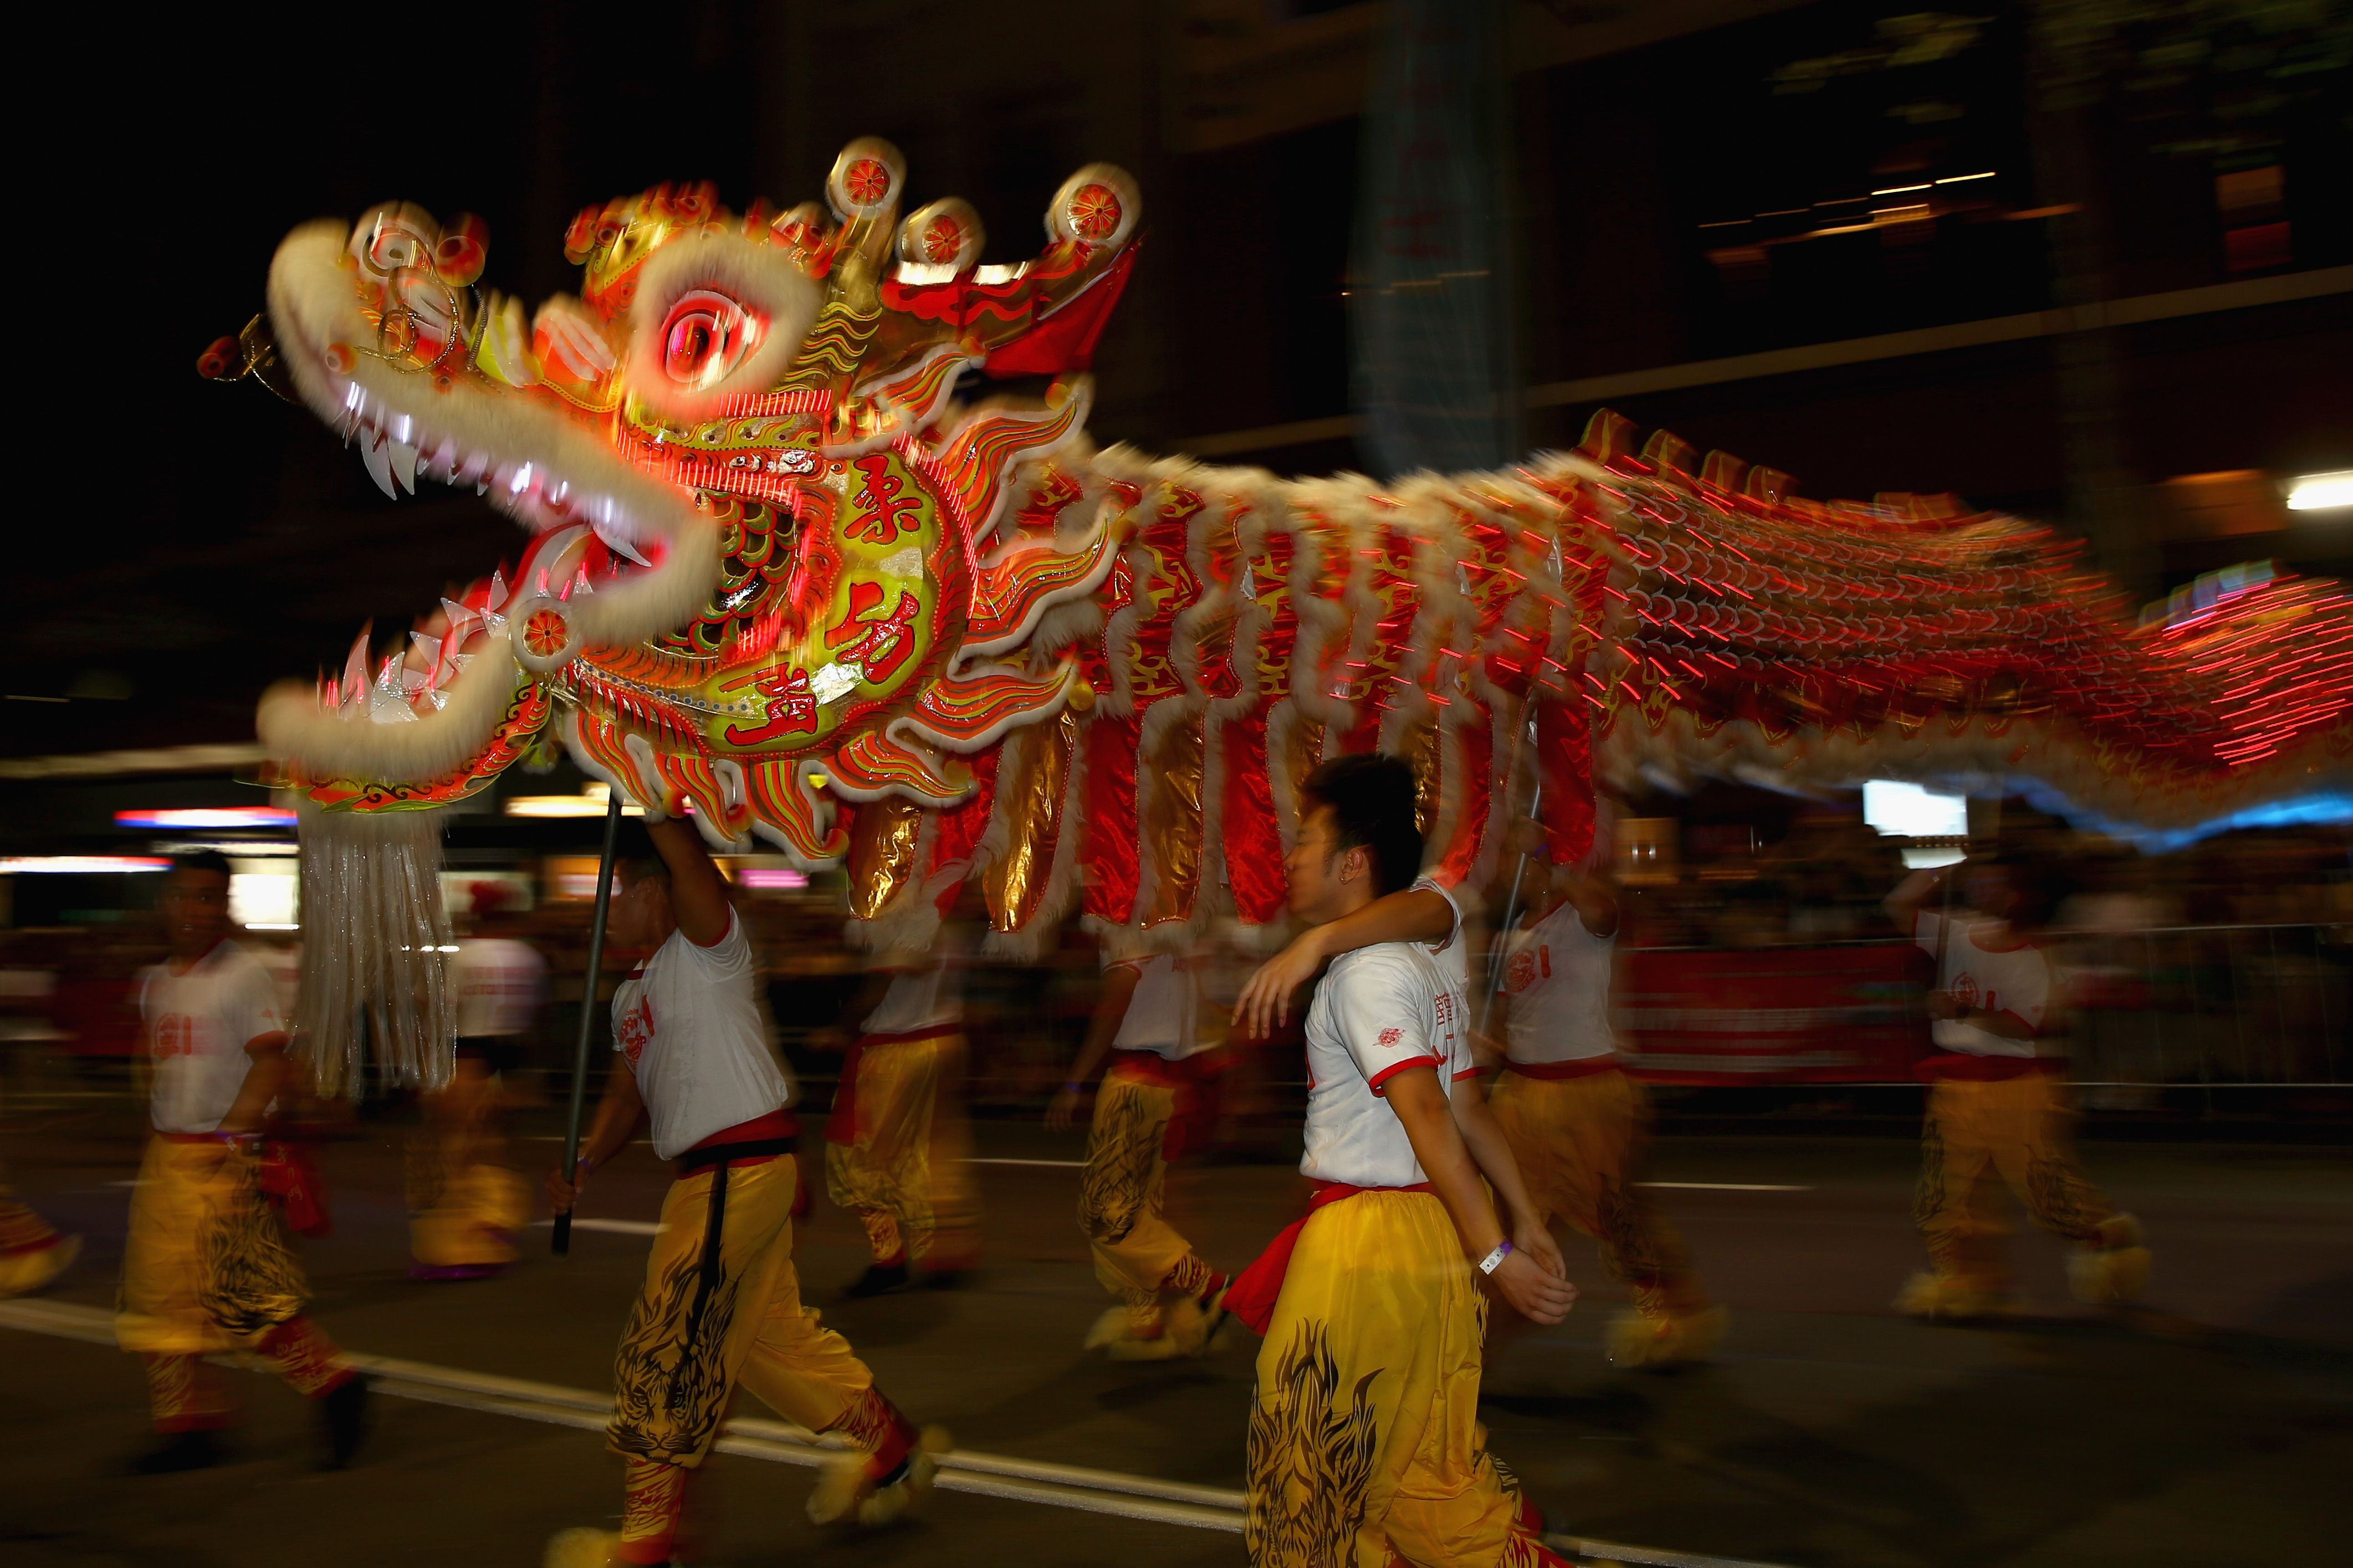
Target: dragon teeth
(618,544)
(375,455)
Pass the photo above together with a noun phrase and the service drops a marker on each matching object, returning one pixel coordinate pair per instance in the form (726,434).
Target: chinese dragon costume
(779,576)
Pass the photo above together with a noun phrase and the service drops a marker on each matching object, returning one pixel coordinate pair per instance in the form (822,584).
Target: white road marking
(617,1227)
(961,1470)
(1727,1186)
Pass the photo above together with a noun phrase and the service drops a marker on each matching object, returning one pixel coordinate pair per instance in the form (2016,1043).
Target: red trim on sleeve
(1467,1072)
(719,940)
(1390,1071)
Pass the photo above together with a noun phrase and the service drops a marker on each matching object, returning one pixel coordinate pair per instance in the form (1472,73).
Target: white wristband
(1495,1259)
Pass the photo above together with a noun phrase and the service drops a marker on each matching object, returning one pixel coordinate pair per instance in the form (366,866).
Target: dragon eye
(705,337)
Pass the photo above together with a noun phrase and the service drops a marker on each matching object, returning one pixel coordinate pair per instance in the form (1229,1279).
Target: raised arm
(1594,899)
(698,893)
(1903,905)
(1111,1011)
(1415,914)
(1421,1105)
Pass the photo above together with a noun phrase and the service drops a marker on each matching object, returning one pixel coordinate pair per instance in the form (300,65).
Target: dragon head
(760,559)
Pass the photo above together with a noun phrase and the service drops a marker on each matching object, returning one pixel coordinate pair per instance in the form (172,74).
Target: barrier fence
(2219,1004)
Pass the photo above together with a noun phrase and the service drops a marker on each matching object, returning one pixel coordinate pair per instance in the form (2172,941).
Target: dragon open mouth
(615,554)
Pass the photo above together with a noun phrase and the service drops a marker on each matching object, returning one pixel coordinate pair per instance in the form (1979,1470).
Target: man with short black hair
(721,1300)
(207,1268)
(1365,1442)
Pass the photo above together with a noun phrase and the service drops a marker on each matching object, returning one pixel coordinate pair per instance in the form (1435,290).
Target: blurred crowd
(2226,961)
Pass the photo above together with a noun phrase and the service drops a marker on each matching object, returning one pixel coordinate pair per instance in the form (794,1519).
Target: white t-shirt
(1377,1011)
(927,995)
(501,983)
(688,1022)
(1997,979)
(1558,979)
(198,1026)
(1164,1015)
(1453,953)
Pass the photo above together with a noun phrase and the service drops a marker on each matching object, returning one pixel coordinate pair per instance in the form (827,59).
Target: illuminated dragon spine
(779,576)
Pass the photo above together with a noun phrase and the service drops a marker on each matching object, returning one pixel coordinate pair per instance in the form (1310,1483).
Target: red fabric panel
(1107,849)
(288,1177)
(1471,823)
(1065,341)
(1254,837)
(1255,1289)
(962,825)
(1564,761)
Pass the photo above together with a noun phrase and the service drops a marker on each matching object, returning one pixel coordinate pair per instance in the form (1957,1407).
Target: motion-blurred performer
(1998,1111)
(465,1201)
(32,1253)
(1150,1110)
(207,1268)
(1365,1442)
(897,1140)
(1578,1127)
(721,1301)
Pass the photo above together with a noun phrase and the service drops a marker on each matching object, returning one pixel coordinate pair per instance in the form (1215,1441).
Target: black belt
(716,1158)
(703,1158)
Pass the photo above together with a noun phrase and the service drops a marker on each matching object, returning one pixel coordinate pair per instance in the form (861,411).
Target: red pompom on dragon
(780,578)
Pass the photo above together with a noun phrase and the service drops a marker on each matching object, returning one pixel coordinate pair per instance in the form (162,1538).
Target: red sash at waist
(777,1126)
(1959,1066)
(286,1172)
(1252,1295)
(841,1124)
(1577,1067)
(1193,1079)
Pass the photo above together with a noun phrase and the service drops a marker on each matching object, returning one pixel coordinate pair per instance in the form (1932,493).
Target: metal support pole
(563,1241)
(1499,952)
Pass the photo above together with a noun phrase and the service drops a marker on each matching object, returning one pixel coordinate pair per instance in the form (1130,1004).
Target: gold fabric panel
(1418,747)
(1173,824)
(1304,752)
(1040,775)
(882,853)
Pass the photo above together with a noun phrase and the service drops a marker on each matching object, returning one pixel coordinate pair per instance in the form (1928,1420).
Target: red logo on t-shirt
(1965,989)
(1445,1007)
(1391,1037)
(175,1036)
(635,1029)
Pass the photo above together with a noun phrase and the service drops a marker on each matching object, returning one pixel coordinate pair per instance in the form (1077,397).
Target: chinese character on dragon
(779,576)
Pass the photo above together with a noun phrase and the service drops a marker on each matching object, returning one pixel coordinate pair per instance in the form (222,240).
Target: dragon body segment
(779,577)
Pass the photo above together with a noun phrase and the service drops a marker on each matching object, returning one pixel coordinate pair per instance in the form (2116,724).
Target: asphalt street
(2212,1425)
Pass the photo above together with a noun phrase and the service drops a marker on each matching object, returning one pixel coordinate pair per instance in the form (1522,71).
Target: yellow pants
(207,1266)
(1580,1143)
(206,1270)
(1980,1138)
(678,1365)
(1136,1251)
(904,1171)
(1365,1442)
(465,1202)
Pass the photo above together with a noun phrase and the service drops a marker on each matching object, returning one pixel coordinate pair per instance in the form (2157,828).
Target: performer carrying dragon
(781,579)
